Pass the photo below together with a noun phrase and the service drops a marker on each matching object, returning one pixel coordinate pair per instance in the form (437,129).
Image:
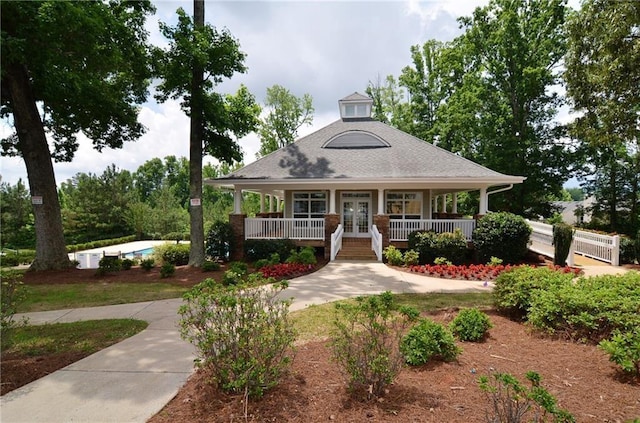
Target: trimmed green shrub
(176,236)
(624,350)
(514,288)
(590,309)
(306,255)
(12,294)
(562,239)
(256,249)
(167,269)
(410,258)
(109,264)
(176,254)
(210,266)
(365,341)
(219,240)
(243,336)
(127,264)
(423,242)
(471,325)
(100,243)
(393,255)
(503,235)
(511,402)
(147,264)
(235,274)
(430,245)
(627,250)
(16,258)
(426,341)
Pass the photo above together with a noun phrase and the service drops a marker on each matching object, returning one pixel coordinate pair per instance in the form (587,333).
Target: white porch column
(429,213)
(435,204)
(454,203)
(261,202)
(484,201)
(444,203)
(332,201)
(381,209)
(237,201)
(272,199)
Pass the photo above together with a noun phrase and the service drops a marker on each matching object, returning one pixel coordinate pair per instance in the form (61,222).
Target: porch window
(404,205)
(308,205)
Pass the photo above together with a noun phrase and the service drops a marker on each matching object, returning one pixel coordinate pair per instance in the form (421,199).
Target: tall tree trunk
(196,252)
(50,246)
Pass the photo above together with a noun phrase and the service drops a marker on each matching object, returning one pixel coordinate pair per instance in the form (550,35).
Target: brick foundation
(382,223)
(237,226)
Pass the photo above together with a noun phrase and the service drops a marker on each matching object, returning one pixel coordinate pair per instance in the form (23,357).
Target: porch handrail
(277,228)
(336,241)
(376,241)
(399,229)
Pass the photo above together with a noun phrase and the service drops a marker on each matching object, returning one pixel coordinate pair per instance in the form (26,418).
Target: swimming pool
(139,253)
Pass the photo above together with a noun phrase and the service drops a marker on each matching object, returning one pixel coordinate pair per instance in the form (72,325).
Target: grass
(84,337)
(57,297)
(316,321)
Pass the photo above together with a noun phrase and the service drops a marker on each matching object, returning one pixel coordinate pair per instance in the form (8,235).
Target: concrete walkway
(132,380)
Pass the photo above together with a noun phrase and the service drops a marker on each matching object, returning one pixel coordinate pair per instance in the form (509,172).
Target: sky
(328,49)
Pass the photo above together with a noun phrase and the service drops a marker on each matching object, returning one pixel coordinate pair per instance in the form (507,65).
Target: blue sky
(328,49)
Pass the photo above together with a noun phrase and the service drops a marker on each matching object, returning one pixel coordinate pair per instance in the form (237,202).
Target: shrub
(127,264)
(306,255)
(503,235)
(242,335)
(393,255)
(423,242)
(167,269)
(511,402)
(514,289)
(430,245)
(426,341)
(627,250)
(235,273)
(590,309)
(562,239)
(624,350)
(147,264)
(470,325)
(366,339)
(210,266)
(15,258)
(11,295)
(219,240)
(176,254)
(256,249)
(410,258)
(109,264)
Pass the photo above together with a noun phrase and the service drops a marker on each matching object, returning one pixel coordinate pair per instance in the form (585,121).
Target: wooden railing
(376,242)
(336,241)
(399,229)
(278,228)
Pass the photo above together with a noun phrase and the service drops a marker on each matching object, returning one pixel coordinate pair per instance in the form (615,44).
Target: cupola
(355,106)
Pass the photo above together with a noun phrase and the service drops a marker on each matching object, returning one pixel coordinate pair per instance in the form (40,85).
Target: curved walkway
(132,380)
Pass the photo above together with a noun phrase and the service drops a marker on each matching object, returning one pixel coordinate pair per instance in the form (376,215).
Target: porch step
(356,249)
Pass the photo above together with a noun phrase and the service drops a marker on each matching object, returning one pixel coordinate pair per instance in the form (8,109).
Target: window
(404,205)
(308,205)
(356,110)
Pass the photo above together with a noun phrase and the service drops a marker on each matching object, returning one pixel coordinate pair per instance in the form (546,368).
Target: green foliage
(176,236)
(494,261)
(127,264)
(210,266)
(410,258)
(100,243)
(624,350)
(514,289)
(147,264)
(306,255)
(366,339)
(16,216)
(167,269)
(17,257)
(503,235)
(470,324)
(511,402)
(235,274)
(176,254)
(13,293)
(393,255)
(242,334)
(590,309)
(430,245)
(219,240)
(109,264)
(256,249)
(562,239)
(628,252)
(426,341)
(442,260)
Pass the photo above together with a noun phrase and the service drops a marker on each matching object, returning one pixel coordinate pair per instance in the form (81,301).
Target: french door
(356,214)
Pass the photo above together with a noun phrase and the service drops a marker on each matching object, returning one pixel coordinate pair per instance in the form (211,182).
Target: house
(357,178)
(575,212)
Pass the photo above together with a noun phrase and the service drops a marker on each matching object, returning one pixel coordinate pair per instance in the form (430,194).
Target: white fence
(276,228)
(399,229)
(600,247)
(336,241)
(376,242)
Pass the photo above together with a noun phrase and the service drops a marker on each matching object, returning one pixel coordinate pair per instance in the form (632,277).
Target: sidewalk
(132,380)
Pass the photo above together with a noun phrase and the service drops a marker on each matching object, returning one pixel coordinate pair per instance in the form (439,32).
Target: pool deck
(128,247)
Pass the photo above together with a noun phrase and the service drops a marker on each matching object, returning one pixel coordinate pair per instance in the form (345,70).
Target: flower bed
(286,270)
(474,272)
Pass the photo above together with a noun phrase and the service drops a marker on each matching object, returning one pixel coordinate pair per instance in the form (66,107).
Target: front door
(356,214)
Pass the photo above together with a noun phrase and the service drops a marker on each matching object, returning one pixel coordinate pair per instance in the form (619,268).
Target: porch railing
(336,241)
(376,242)
(277,228)
(399,229)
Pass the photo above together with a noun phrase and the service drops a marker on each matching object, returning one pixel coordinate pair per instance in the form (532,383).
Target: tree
(197,59)
(69,67)
(602,81)
(286,113)
(389,105)
(16,216)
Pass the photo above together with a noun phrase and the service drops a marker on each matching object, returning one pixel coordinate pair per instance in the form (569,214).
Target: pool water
(140,253)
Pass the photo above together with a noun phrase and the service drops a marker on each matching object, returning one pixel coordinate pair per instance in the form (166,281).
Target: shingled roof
(363,149)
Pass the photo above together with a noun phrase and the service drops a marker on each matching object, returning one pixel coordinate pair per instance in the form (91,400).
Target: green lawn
(56,297)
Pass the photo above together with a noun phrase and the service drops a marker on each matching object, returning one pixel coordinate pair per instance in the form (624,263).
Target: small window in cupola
(355,106)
